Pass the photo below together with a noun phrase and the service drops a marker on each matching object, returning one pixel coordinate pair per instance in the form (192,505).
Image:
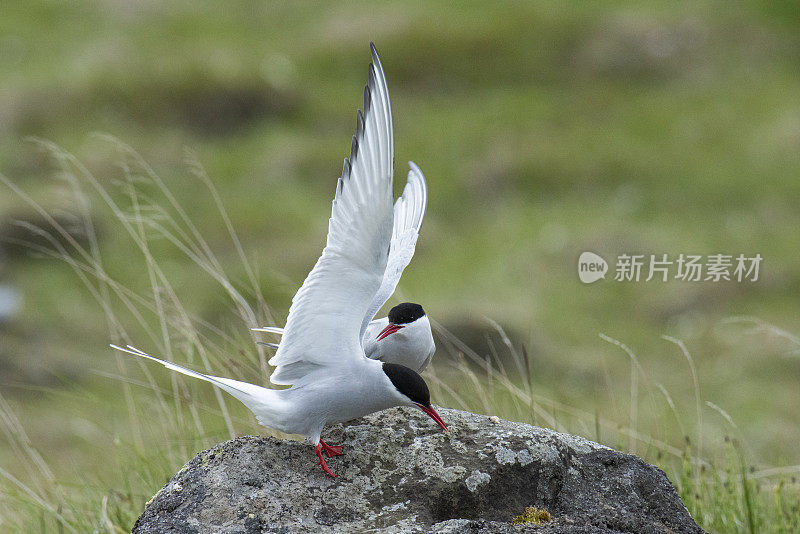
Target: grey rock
(401,473)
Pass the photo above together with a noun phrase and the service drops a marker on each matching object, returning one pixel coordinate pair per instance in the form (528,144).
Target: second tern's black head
(405,313)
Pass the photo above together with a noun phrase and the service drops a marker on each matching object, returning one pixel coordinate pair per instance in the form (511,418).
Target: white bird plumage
(325,318)
(414,346)
(409,211)
(407,343)
(411,345)
(321,354)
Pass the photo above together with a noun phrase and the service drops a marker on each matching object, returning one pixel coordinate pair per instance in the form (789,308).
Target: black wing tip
(354,149)
(372,76)
(376,59)
(345,170)
(367,99)
(376,64)
(359,124)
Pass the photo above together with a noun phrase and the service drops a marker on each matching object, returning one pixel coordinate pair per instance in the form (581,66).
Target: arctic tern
(321,354)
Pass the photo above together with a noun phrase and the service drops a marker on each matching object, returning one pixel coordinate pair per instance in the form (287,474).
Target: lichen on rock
(532,516)
(476,479)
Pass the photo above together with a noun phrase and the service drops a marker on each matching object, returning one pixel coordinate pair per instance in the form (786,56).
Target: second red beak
(390,329)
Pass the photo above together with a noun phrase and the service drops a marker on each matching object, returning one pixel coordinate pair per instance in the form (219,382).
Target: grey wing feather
(326,313)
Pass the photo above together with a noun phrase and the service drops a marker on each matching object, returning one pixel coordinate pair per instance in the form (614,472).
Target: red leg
(322,462)
(331,450)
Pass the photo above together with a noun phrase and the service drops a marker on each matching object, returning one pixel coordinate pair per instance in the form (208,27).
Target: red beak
(433,415)
(389,330)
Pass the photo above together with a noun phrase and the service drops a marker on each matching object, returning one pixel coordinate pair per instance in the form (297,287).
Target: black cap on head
(404,313)
(408,382)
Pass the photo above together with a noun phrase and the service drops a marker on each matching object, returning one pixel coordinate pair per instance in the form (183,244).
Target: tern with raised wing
(321,355)
(404,336)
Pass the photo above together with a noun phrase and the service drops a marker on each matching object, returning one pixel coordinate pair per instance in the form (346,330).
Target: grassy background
(543,130)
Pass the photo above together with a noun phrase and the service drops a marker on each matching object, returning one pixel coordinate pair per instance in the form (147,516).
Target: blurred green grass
(544,129)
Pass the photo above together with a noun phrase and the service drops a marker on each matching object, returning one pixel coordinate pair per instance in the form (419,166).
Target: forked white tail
(252,396)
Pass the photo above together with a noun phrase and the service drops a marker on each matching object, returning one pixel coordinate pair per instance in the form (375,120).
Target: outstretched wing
(323,326)
(409,210)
